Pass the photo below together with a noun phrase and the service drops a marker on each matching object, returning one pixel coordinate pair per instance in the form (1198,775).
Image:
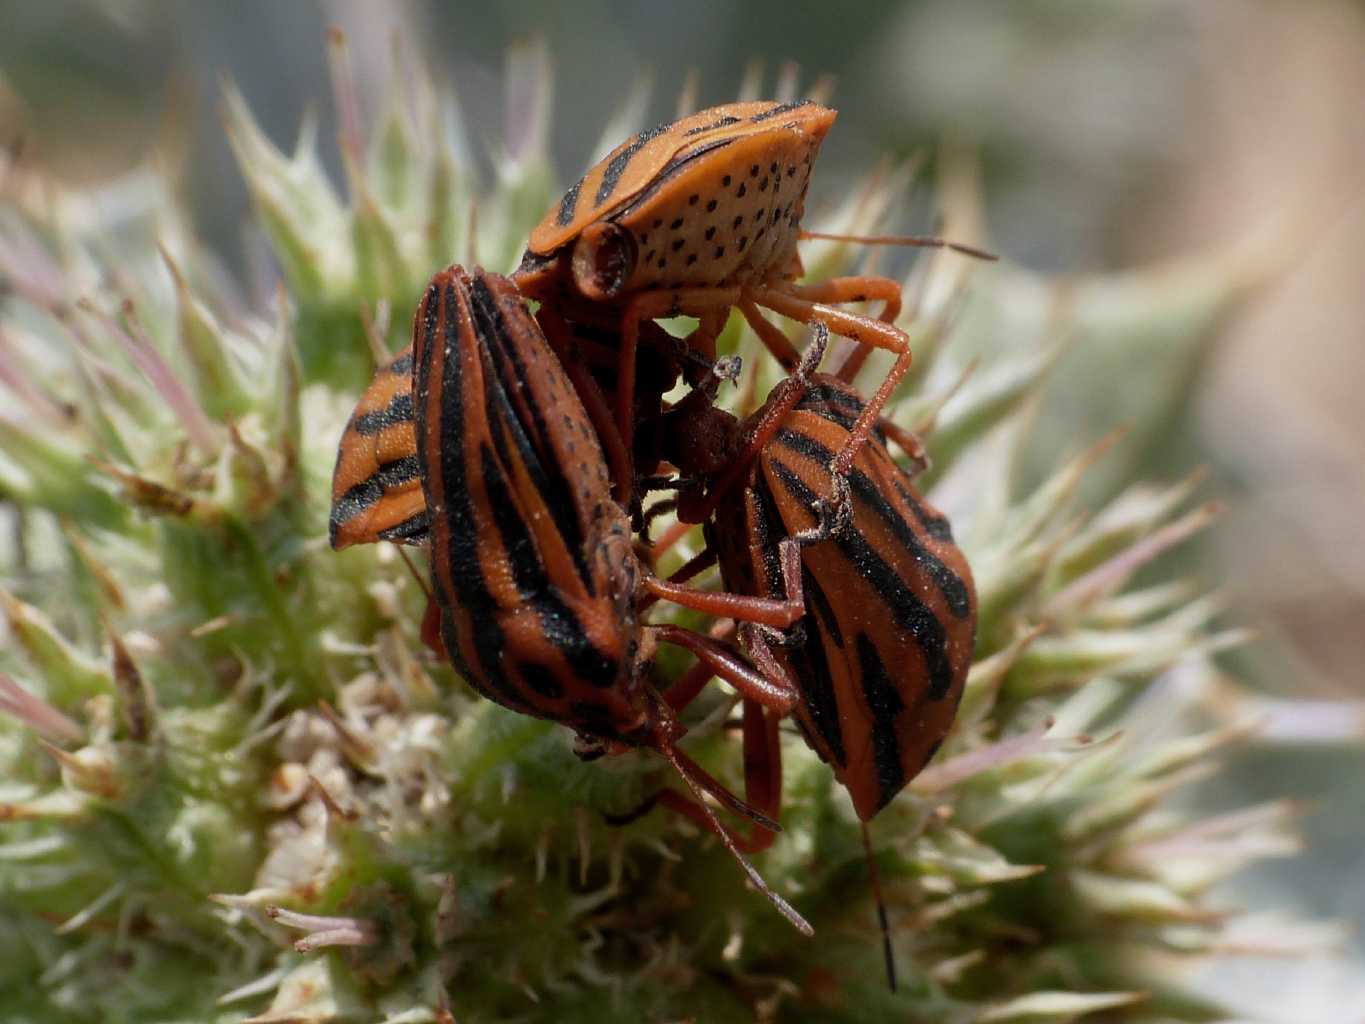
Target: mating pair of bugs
(516,447)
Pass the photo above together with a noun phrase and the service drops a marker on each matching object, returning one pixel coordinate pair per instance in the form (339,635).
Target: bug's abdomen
(531,563)
(728,215)
(376,489)
(887,641)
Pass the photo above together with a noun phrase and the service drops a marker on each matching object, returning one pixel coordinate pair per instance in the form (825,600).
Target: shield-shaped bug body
(376,488)
(534,577)
(698,216)
(881,657)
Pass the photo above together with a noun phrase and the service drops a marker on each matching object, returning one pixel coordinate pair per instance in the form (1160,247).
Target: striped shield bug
(698,216)
(376,489)
(535,580)
(882,655)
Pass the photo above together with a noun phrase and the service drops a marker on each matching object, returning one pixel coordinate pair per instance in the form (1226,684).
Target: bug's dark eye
(603,259)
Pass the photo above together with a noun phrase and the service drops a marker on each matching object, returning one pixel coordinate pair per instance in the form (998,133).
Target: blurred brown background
(1111,134)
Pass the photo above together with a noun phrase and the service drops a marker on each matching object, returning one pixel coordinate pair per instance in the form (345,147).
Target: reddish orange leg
(908,443)
(697,563)
(692,774)
(839,290)
(762,782)
(703,339)
(777,692)
(671,536)
(859,328)
(762,762)
(431,628)
(771,335)
(867,289)
(774,612)
(694,680)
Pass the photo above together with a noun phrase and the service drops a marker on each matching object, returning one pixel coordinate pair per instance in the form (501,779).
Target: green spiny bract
(236,784)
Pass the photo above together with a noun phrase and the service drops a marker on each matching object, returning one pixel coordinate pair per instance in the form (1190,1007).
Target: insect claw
(792,636)
(815,352)
(832,515)
(635,813)
(727,369)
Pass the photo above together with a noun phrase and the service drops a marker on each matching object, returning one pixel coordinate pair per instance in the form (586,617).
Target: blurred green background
(1111,136)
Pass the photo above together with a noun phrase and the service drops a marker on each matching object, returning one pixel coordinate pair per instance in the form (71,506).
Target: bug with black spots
(534,577)
(698,216)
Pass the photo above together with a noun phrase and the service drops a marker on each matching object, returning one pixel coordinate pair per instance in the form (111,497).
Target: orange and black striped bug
(698,216)
(535,580)
(376,486)
(883,653)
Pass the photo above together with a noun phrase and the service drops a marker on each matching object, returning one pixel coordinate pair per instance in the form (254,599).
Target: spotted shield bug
(535,580)
(698,216)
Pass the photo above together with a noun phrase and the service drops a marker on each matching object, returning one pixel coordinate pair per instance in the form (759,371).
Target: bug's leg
(856,327)
(771,335)
(692,774)
(762,768)
(839,290)
(908,443)
(690,684)
(775,691)
(660,508)
(431,628)
(832,515)
(698,563)
(834,291)
(557,333)
(762,782)
(635,813)
(697,814)
(703,339)
(775,612)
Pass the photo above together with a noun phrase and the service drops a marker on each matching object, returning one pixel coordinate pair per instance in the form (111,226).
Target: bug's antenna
(415,574)
(917,241)
(876,879)
(676,758)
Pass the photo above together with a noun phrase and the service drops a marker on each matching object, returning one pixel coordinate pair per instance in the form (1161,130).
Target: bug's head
(604,259)
(698,437)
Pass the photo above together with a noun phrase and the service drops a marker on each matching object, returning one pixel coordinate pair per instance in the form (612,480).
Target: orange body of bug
(376,488)
(534,577)
(698,216)
(886,646)
(532,565)
(882,655)
(709,199)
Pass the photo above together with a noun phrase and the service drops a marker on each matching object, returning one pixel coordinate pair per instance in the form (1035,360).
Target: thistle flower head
(235,784)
